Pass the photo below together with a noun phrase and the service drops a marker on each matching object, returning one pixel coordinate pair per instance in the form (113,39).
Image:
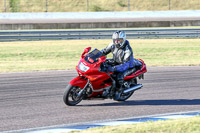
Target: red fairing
(78,81)
(94,75)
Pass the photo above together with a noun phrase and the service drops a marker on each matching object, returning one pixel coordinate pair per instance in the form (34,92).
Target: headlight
(82,67)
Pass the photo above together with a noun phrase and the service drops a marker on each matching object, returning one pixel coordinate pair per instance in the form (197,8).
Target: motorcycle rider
(123,62)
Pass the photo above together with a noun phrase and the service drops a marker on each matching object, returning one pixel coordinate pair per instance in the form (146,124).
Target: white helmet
(119,38)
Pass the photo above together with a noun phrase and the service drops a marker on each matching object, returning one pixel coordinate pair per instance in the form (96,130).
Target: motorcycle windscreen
(93,56)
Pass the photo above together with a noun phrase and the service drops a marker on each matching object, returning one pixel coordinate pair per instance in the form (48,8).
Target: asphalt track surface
(34,99)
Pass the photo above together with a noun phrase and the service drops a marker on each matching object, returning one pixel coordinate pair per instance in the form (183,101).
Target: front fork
(84,89)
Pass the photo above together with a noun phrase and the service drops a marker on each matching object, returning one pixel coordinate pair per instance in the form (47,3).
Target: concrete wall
(85,20)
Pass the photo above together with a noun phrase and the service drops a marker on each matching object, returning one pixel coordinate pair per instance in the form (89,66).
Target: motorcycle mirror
(86,50)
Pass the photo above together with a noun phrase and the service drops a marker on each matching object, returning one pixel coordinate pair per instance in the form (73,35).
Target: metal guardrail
(98,34)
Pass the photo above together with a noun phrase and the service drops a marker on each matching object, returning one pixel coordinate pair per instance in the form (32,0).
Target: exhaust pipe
(138,86)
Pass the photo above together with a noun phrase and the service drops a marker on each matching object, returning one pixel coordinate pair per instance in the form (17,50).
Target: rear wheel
(125,96)
(71,96)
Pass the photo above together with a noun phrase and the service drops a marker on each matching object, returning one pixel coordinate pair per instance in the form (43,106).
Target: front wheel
(71,96)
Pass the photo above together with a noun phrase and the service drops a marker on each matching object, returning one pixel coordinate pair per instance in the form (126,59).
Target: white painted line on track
(61,130)
(116,123)
(175,116)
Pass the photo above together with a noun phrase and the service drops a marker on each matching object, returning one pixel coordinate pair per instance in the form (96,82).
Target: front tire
(71,96)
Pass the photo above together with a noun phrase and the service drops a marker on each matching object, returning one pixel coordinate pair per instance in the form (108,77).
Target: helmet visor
(118,40)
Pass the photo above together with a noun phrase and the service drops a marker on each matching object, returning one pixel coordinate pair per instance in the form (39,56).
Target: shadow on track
(149,102)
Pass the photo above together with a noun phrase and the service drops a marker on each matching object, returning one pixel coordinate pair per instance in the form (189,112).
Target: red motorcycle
(94,81)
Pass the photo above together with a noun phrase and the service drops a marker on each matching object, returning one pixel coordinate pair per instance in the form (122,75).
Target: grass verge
(59,55)
(96,5)
(184,125)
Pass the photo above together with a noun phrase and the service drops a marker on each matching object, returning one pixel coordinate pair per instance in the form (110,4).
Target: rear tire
(124,97)
(71,97)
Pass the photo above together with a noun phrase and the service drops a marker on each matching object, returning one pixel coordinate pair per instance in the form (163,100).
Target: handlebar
(104,66)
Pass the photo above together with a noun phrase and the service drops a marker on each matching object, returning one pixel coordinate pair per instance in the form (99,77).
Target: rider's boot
(119,91)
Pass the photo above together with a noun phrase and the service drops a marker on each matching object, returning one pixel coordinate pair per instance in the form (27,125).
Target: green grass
(184,125)
(62,55)
(96,5)
(168,52)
